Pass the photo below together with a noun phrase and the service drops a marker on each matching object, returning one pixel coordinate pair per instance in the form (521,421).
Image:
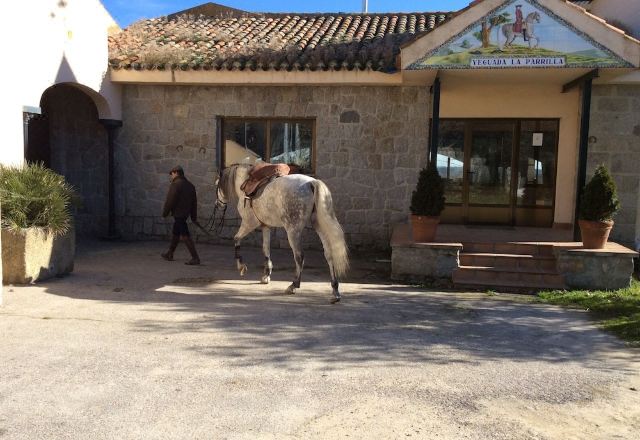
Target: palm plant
(35,196)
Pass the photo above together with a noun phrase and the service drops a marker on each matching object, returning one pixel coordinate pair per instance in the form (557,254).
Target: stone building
(363,100)
(360,100)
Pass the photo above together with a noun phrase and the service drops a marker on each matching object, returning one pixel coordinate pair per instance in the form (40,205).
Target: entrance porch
(509,258)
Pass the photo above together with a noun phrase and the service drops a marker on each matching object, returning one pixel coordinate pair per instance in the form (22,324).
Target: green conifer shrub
(428,197)
(599,202)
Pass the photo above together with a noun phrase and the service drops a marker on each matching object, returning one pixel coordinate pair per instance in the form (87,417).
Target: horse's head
(536,17)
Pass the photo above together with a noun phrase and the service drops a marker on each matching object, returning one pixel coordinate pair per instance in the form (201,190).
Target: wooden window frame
(268,122)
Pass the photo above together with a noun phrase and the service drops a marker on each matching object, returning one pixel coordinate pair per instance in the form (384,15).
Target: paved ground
(131,346)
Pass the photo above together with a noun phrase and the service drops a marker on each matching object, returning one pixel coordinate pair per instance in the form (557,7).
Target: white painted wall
(48,42)
(626,12)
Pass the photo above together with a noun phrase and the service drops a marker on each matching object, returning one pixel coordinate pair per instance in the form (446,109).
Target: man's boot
(175,239)
(195,259)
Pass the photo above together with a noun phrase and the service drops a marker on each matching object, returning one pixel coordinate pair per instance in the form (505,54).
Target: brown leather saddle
(261,174)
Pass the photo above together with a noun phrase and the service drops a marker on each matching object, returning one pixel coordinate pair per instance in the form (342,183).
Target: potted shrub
(598,205)
(38,240)
(427,202)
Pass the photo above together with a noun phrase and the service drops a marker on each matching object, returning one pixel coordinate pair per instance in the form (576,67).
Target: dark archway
(69,138)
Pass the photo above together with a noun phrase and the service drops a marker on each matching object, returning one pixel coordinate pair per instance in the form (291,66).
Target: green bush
(35,196)
(428,198)
(599,200)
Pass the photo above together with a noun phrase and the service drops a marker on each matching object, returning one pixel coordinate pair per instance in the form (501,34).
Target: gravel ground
(132,347)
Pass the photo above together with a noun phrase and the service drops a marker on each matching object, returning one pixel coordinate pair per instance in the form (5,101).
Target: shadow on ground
(376,322)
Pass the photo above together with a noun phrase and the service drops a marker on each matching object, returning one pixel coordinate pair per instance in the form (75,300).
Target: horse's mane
(228,179)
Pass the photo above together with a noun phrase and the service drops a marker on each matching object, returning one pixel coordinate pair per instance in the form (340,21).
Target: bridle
(219,205)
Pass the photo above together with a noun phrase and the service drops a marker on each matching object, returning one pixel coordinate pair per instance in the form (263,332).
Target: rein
(211,225)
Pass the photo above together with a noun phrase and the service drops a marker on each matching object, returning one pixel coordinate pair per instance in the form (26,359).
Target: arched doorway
(69,138)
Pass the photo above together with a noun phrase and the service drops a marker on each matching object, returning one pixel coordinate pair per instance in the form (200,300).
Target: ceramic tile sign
(520,34)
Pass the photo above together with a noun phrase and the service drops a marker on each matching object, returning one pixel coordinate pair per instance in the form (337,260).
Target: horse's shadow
(374,322)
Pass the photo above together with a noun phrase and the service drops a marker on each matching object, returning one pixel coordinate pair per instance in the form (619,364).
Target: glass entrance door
(498,171)
(488,175)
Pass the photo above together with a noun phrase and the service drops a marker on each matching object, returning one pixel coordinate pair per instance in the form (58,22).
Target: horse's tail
(330,228)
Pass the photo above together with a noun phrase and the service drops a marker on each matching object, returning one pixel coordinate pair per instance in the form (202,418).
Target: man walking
(182,203)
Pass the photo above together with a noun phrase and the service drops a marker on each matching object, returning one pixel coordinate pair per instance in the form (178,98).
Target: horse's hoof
(334,300)
(243,270)
(290,290)
(265,279)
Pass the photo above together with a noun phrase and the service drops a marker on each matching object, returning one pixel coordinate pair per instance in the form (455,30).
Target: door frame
(476,125)
(463,207)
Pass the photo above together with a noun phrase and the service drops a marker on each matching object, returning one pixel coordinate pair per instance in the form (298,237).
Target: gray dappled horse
(290,202)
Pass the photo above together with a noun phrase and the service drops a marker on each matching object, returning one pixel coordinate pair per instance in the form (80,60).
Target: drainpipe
(435,123)
(111,125)
(583,151)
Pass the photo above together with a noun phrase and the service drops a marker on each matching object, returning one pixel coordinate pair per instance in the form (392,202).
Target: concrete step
(511,248)
(518,262)
(486,276)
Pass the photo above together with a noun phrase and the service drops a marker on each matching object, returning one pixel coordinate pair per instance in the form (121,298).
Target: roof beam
(580,80)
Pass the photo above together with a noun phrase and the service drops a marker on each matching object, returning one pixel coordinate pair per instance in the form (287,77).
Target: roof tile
(274,41)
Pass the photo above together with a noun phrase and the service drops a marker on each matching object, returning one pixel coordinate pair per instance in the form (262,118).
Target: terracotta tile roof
(583,3)
(270,41)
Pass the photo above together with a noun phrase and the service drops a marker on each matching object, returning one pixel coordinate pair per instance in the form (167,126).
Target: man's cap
(177,169)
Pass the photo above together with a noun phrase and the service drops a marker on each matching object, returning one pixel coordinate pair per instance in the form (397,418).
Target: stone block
(613,104)
(625,163)
(603,90)
(361,202)
(350,117)
(32,254)
(424,262)
(595,270)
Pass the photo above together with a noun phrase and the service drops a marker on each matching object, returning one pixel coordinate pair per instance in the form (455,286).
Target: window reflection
(244,141)
(291,143)
(277,141)
(536,163)
(490,165)
(450,158)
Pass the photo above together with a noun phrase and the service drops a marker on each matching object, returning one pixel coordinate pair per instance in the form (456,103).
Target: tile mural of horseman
(520,33)
(524,28)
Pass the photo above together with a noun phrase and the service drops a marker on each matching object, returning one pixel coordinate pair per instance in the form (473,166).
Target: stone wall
(614,140)
(78,148)
(370,145)
(596,269)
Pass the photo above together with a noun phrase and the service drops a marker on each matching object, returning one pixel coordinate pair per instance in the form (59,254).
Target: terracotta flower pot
(594,234)
(424,228)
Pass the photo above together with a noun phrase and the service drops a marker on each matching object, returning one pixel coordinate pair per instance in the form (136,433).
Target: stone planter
(32,255)
(596,269)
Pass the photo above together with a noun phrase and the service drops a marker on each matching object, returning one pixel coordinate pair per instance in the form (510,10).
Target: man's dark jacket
(181,200)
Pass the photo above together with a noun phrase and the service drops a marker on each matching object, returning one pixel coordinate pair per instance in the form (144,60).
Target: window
(537,162)
(451,158)
(272,140)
